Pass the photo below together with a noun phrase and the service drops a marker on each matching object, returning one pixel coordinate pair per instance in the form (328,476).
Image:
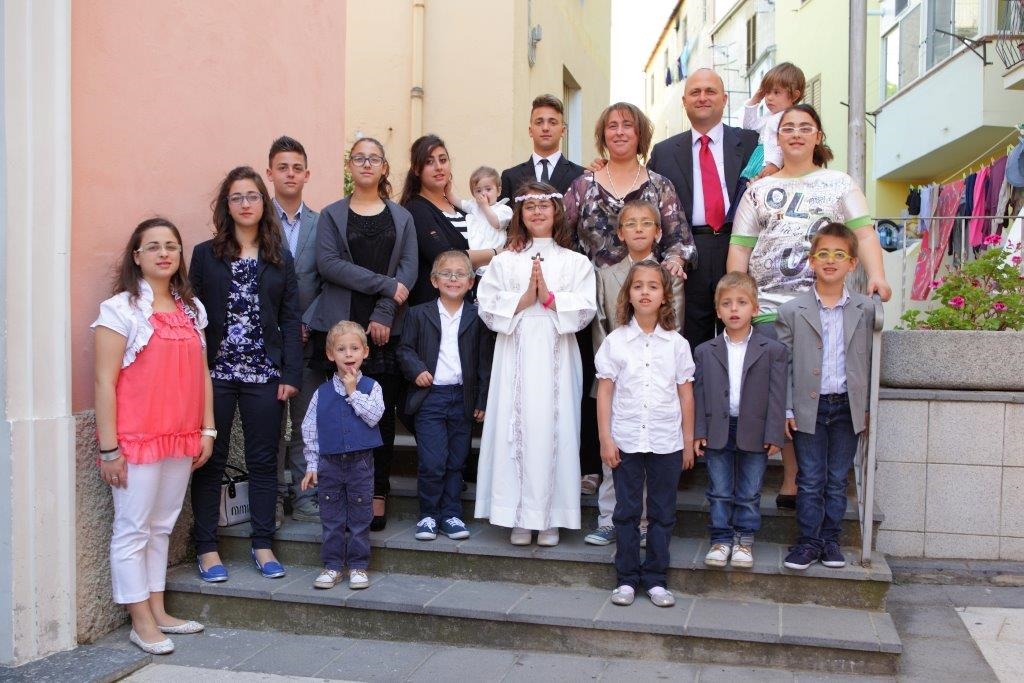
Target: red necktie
(714,204)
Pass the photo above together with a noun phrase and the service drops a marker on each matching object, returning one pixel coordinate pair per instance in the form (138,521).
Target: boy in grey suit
(828,332)
(740,396)
(288,172)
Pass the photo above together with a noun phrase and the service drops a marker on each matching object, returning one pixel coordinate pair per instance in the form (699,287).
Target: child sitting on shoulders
(445,352)
(829,375)
(645,420)
(740,397)
(340,432)
(639,228)
(487,218)
(782,87)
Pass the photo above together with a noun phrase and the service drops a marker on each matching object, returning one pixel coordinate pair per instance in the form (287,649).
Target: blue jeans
(824,458)
(734,491)
(443,434)
(661,471)
(346,508)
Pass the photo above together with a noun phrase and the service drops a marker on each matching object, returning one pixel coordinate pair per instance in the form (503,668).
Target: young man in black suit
(685,159)
(547,128)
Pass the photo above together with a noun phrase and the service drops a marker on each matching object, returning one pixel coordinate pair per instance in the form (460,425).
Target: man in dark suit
(704,164)
(547,128)
(288,172)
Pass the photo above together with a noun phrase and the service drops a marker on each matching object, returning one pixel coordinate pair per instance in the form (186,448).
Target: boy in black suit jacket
(547,128)
(740,396)
(446,353)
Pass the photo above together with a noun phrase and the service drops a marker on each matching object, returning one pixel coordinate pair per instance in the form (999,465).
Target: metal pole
(857,134)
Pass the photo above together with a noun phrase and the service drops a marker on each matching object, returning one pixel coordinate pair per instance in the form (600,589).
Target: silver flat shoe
(623,595)
(661,597)
(163,647)
(188,628)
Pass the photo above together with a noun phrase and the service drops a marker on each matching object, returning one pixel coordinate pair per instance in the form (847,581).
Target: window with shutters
(751,41)
(813,95)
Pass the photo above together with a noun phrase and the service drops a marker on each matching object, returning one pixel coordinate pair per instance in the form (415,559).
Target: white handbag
(234,497)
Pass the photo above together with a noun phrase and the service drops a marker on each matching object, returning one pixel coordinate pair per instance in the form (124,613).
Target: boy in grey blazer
(288,172)
(740,397)
(828,333)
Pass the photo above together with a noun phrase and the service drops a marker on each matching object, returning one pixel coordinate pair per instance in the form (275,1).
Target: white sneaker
(623,595)
(718,556)
(548,537)
(742,556)
(328,578)
(521,536)
(661,597)
(357,579)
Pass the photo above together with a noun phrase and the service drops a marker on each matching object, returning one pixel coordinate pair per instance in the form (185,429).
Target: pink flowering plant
(984,294)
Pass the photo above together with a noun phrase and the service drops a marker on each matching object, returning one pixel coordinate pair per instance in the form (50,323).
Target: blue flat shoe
(218,573)
(270,570)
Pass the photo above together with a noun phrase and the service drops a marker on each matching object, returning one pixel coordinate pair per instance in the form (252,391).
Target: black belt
(707,230)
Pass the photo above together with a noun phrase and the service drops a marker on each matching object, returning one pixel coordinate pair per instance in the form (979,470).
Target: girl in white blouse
(645,419)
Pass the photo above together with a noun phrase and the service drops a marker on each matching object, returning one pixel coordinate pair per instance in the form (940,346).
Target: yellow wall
(477,83)
(814,35)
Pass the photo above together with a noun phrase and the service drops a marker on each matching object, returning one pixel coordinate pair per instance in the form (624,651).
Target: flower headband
(527,197)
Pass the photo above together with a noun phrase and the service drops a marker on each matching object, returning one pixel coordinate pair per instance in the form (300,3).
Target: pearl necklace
(619,201)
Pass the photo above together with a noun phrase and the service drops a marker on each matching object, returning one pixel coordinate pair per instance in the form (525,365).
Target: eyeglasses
(156,247)
(362,160)
(250,197)
(646,224)
(452,275)
(805,129)
(837,255)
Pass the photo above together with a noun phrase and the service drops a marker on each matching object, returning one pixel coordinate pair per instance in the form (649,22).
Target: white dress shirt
(646,370)
(449,367)
(538,167)
(736,352)
(716,134)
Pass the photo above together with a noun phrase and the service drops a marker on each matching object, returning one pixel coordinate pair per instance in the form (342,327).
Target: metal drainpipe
(416,92)
(856,137)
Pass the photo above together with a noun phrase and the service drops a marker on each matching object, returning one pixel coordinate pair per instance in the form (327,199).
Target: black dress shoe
(783,501)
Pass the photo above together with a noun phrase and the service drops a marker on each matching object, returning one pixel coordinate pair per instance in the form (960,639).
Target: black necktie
(544,177)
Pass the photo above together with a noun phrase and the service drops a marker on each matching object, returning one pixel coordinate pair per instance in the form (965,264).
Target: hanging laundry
(927,202)
(976,226)
(995,184)
(934,245)
(914,202)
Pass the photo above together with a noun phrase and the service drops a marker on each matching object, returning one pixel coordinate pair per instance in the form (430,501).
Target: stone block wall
(950,473)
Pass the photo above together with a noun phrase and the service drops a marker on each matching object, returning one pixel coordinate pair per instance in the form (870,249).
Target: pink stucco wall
(166,97)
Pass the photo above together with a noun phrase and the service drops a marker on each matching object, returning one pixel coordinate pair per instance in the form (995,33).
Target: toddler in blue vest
(340,433)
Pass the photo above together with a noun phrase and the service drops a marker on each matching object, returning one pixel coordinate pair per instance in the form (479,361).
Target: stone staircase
(484,592)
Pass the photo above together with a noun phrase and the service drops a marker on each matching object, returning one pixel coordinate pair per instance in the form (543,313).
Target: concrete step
(777,525)
(577,620)
(488,555)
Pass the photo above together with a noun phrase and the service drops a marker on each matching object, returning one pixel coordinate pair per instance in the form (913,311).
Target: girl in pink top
(154,417)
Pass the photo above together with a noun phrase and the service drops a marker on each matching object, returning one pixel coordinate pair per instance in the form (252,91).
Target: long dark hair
(128,273)
(418,156)
(822,152)
(268,232)
(666,312)
(383,185)
(519,237)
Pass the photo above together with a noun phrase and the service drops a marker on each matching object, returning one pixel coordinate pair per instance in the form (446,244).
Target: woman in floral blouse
(246,279)
(622,135)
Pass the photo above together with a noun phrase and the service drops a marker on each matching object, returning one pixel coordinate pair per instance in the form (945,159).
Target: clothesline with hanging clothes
(1007,138)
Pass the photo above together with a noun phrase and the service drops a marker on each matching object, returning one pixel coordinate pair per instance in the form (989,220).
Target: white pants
(144,516)
(606,501)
